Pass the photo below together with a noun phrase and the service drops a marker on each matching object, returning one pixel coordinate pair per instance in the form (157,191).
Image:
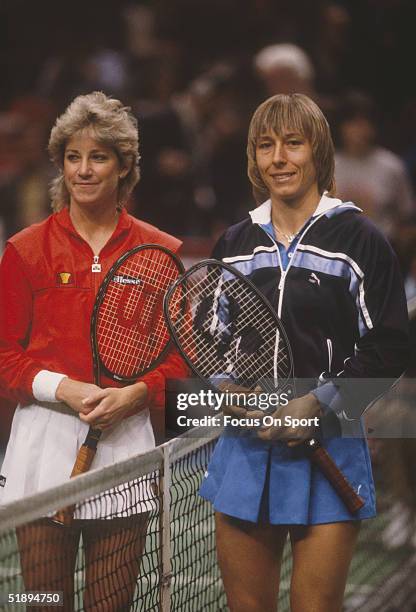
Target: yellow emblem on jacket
(65,277)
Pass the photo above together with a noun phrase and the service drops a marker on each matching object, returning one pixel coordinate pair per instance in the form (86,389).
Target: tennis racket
(129,335)
(232,339)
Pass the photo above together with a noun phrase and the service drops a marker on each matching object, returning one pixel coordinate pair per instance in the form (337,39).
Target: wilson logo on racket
(127,280)
(139,306)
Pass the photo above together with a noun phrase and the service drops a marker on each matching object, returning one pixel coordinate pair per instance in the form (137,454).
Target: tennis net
(150,511)
(157,517)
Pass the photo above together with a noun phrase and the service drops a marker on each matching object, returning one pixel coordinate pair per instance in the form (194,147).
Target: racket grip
(82,465)
(320,457)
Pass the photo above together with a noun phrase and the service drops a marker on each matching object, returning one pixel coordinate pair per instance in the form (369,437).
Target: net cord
(94,482)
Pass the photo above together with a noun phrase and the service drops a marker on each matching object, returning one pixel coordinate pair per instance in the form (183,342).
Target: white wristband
(45,384)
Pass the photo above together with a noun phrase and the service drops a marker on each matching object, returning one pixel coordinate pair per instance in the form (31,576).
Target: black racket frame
(98,365)
(289,382)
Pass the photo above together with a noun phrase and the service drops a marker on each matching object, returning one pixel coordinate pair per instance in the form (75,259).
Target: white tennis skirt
(44,442)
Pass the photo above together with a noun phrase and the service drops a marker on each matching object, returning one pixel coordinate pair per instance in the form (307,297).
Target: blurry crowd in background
(193,71)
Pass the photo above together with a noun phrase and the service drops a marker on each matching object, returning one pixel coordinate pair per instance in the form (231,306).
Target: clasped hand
(101,408)
(302,408)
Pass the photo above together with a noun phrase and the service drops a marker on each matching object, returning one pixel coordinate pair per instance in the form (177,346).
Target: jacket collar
(63,218)
(326,205)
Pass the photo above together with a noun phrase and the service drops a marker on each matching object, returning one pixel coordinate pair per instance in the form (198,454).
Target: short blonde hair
(292,112)
(112,124)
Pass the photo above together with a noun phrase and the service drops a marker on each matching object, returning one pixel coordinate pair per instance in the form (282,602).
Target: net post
(166,565)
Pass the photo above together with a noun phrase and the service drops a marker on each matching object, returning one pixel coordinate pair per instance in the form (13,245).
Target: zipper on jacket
(96,266)
(280,287)
(283,273)
(330,354)
(96,270)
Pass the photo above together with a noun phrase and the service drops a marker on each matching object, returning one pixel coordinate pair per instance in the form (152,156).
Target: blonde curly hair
(112,124)
(293,112)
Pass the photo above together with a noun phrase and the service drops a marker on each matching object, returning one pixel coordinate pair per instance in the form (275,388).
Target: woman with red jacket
(49,277)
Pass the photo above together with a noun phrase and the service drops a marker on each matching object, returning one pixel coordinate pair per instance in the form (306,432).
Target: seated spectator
(285,68)
(25,170)
(194,182)
(368,174)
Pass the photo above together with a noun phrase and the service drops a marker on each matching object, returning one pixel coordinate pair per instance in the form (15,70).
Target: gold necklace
(289,237)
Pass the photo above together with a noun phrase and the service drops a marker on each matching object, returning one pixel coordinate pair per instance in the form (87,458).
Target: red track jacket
(47,293)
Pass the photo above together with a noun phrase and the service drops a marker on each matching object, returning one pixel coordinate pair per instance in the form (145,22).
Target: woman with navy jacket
(336,286)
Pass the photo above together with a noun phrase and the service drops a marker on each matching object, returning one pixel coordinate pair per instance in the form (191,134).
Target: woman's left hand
(306,407)
(113,404)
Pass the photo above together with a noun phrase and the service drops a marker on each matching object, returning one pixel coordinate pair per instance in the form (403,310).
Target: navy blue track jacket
(340,299)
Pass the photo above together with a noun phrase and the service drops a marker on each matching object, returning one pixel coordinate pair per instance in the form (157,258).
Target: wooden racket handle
(84,459)
(82,465)
(328,467)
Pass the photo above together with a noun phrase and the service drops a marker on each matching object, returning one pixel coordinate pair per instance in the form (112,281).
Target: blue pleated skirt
(262,481)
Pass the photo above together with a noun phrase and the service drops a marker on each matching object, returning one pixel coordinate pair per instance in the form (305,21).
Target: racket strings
(245,365)
(238,291)
(244,294)
(131,331)
(233,333)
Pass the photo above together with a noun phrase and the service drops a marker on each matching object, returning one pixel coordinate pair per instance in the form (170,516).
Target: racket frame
(98,365)
(289,381)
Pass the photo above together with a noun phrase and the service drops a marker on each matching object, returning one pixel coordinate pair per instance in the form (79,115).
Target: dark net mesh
(142,539)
